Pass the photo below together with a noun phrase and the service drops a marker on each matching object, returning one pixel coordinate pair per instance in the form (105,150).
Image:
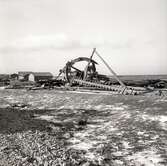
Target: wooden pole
(114,74)
(86,69)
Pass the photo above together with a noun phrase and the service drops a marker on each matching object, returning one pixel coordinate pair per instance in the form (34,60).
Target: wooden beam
(86,68)
(114,74)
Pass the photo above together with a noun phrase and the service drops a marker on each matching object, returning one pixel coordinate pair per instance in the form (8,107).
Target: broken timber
(89,77)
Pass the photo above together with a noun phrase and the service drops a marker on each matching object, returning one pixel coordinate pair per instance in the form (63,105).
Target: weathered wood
(114,74)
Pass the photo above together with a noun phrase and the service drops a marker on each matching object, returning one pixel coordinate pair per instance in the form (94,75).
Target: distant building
(14,76)
(40,76)
(31,77)
(4,77)
(34,76)
(23,75)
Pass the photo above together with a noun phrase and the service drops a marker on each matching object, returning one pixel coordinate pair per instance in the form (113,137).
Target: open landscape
(83,83)
(56,127)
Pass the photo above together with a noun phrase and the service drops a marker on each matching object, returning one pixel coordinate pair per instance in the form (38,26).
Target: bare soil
(71,128)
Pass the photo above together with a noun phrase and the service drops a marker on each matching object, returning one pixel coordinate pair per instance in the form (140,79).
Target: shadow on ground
(15,120)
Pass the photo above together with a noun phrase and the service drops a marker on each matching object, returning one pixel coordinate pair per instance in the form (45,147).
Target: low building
(23,75)
(14,76)
(35,76)
(40,76)
(4,79)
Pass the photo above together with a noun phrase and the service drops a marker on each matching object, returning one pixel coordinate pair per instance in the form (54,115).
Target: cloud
(64,42)
(36,43)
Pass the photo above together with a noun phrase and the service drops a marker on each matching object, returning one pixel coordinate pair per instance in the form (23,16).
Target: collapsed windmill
(89,77)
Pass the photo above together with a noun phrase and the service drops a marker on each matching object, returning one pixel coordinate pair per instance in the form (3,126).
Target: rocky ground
(72,128)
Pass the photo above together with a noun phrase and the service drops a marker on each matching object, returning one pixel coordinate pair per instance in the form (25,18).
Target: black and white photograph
(83,82)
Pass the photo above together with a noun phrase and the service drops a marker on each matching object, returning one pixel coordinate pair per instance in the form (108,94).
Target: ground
(82,128)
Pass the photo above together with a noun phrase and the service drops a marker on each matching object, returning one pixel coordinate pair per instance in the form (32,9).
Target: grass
(44,127)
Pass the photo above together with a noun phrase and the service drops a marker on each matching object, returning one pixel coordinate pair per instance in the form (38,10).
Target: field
(82,128)
(142,77)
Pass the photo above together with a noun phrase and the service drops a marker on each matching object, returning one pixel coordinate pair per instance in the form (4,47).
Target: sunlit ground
(63,127)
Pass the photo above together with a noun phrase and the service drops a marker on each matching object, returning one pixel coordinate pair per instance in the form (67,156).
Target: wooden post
(114,74)
(86,69)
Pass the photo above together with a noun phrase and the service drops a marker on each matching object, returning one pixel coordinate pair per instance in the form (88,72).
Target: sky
(42,35)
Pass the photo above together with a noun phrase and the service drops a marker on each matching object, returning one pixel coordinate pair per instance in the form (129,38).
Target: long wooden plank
(114,74)
(115,88)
